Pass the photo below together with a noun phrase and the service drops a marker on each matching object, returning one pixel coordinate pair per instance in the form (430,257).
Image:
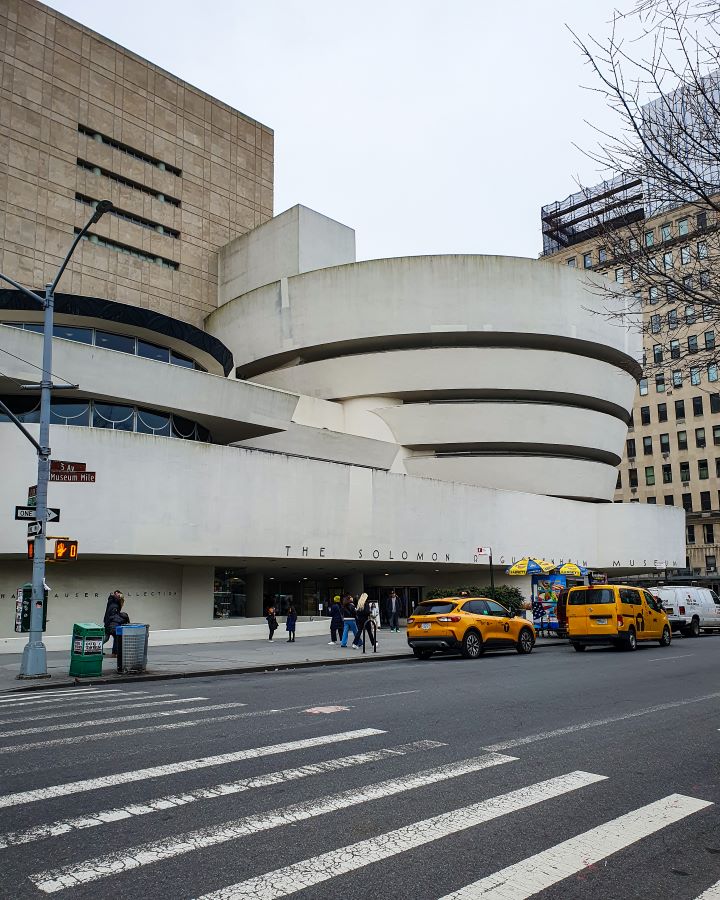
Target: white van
(690,609)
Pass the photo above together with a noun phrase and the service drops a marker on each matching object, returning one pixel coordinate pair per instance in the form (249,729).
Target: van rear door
(591,612)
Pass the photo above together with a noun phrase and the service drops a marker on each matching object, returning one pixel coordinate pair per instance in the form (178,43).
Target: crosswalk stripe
(190,765)
(172,801)
(712,893)
(24,700)
(315,870)
(86,706)
(150,714)
(530,876)
(114,863)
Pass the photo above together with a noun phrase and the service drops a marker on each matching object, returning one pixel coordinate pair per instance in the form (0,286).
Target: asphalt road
(557,775)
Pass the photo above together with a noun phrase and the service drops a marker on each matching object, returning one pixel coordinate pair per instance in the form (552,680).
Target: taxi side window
(496,609)
(651,602)
(629,595)
(472,606)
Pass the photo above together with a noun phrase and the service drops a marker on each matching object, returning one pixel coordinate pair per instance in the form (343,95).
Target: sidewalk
(187,660)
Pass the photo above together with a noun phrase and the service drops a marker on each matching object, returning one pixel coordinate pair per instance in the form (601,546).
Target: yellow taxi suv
(469,625)
(615,614)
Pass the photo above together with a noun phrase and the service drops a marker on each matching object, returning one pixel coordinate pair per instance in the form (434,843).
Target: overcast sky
(428,126)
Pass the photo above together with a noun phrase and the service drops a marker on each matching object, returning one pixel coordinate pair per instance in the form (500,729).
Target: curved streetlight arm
(100,210)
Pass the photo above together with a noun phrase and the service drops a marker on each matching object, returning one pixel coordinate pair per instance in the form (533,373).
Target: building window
(643,386)
(680,410)
(710,566)
(717,466)
(685,471)
(677,378)
(572,262)
(674,349)
(668,261)
(705,504)
(651,500)
(694,375)
(647,446)
(152,351)
(653,295)
(712,372)
(705,280)
(701,221)
(602,255)
(632,245)
(634,273)
(690,315)
(630,447)
(645,414)
(692,343)
(657,353)
(699,437)
(618,482)
(672,318)
(632,478)
(655,324)
(715,403)
(703,471)
(649,238)
(669,500)
(660,384)
(650,475)
(709,337)
(688,283)
(683,226)
(684,255)
(666,232)
(229,597)
(702,251)
(665,443)
(587,260)
(620,276)
(716,435)
(662,412)
(682,440)
(687,502)
(667,473)
(690,534)
(698,406)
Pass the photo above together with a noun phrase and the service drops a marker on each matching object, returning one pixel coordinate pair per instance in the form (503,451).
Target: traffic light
(31,549)
(66,551)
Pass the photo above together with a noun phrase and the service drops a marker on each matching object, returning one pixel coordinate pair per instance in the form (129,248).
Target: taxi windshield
(434,608)
(590,596)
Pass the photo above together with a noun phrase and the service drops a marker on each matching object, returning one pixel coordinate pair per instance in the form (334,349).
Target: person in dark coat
(394,610)
(290,623)
(336,621)
(114,616)
(272,621)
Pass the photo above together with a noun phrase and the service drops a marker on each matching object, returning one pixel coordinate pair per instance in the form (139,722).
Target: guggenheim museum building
(269,420)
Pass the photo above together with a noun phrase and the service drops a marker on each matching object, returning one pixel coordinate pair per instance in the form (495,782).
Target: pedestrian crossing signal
(31,549)
(66,551)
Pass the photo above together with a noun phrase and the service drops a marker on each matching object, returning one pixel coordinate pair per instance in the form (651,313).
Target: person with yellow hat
(336,621)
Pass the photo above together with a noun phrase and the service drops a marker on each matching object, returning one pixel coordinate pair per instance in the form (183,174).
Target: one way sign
(29,513)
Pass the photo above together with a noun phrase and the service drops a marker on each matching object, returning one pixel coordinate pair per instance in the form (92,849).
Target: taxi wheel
(526,642)
(579,647)
(630,642)
(666,637)
(421,654)
(472,646)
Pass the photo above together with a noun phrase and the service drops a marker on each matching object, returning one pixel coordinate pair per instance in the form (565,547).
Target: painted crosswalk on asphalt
(415,766)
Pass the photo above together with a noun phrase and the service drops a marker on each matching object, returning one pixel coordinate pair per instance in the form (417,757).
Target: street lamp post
(34,659)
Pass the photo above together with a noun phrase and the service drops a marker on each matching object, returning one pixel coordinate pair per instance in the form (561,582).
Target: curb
(206,673)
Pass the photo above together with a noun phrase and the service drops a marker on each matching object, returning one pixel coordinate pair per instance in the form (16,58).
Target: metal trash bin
(86,650)
(132,647)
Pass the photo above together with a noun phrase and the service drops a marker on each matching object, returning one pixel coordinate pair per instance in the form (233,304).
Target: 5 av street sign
(62,465)
(29,513)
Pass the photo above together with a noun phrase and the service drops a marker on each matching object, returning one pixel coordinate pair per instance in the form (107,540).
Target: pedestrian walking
(336,621)
(349,623)
(375,614)
(364,624)
(290,623)
(272,621)
(114,616)
(393,611)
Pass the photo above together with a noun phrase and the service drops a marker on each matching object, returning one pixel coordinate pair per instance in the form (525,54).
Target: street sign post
(29,513)
(487,551)
(73,477)
(35,529)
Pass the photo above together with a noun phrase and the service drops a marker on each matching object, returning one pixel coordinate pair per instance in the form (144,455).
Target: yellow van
(615,614)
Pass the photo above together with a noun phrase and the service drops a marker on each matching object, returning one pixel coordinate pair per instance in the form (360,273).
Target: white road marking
(88,718)
(666,658)
(530,876)
(24,700)
(611,720)
(172,801)
(85,706)
(155,851)
(308,872)
(118,779)
(712,893)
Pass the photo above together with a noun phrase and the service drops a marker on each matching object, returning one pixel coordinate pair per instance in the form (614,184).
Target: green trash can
(86,650)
